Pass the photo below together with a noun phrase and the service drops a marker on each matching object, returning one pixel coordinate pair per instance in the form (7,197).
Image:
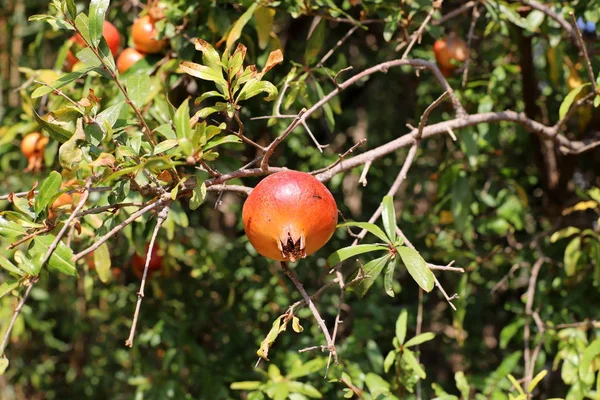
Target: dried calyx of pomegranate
(289,215)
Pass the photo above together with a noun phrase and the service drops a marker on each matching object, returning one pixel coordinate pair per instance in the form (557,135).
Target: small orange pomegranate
(450,52)
(32,147)
(127,58)
(289,215)
(144,36)
(139,262)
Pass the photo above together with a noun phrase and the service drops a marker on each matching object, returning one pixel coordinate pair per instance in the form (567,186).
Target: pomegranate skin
(139,262)
(289,215)
(448,52)
(144,36)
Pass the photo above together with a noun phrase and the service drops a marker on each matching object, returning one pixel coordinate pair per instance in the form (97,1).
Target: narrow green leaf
(210,57)
(245,385)
(220,141)
(388,278)
(326,107)
(372,270)
(198,196)
(422,338)
(254,87)
(463,385)
(569,99)
(515,384)
(264,17)
(389,360)
(371,228)
(315,42)
(59,83)
(182,121)
(412,362)
(102,263)
(534,382)
(3,365)
(137,88)
(49,188)
(97,12)
(236,30)
(296,325)
(61,257)
(203,72)
(10,229)
(388,216)
(586,367)
(344,253)
(10,267)
(401,324)
(55,131)
(165,145)
(417,268)
(82,23)
(8,286)
(572,255)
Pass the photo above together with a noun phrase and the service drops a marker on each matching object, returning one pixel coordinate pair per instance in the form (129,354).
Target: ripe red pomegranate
(289,215)
(449,52)
(32,147)
(127,58)
(139,262)
(144,36)
(111,35)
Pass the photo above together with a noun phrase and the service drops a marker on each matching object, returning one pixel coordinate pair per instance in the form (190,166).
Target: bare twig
(341,157)
(162,216)
(428,111)
(416,37)
(564,24)
(313,309)
(264,164)
(528,312)
(586,57)
(16,315)
(338,44)
(363,174)
(454,13)
(474,18)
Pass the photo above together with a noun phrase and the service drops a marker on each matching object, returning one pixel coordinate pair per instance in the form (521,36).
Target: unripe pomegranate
(111,35)
(144,36)
(450,52)
(139,262)
(32,147)
(289,215)
(127,58)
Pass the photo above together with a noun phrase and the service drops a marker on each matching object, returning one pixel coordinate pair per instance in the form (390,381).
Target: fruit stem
(313,309)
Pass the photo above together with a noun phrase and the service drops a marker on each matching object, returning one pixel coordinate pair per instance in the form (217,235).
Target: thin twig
(586,57)
(428,111)
(417,35)
(456,12)
(528,312)
(474,18)
(338,44)
(15,316)
(264,164)
(313,309)
(341,157)
(162,216)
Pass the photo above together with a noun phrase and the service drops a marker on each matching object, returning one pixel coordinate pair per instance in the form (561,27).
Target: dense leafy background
(483,201)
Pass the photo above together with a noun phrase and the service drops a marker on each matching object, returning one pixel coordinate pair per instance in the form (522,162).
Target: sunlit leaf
(417,268)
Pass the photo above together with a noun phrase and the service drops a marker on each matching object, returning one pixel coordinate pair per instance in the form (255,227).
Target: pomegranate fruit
(144,36)
(111,35)
(139,262)
(127,58)
(32,147)
(450,52)
(289,215)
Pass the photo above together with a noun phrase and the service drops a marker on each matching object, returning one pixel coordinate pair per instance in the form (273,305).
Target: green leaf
(220,141)
(236,30)
(401,325)
(417,268)
(344,253)
(461,201)
(255,87)
(515,384)
(264,18)
(509,331)
(209,94)
(210,57)
(315,42)
(137,88)
(377,386)
(586,367)
(182,121)
(102,263)
(412,362)
(198,196)
(10,267)
(61,259)
(296,325)
(82,23)
(303,369)
(388,278)
(245,385)
(326,107)
(97,11)
(49,188)
(534,382)
(372,270)
(389,360)
(462,385)
(108,117)
(26,264)
(371,228)
(422,338)
(55,131)
(165,145)
(568,101)
(572,254)
(305,389)
(71,9)
(10,229)
(59,83)
(3,365)
(204,72)
(564,233)
(388,216)
(8,286)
